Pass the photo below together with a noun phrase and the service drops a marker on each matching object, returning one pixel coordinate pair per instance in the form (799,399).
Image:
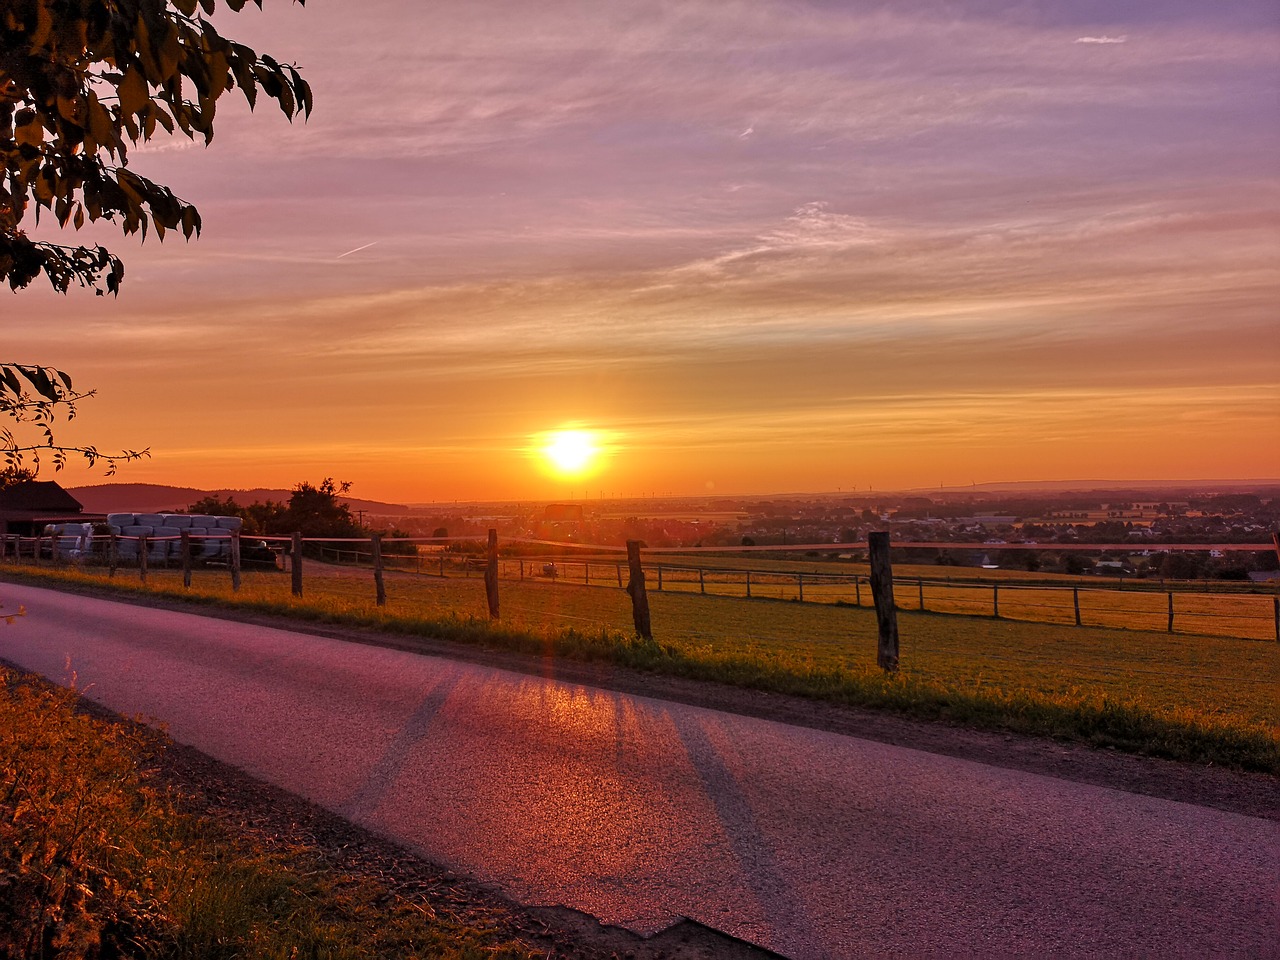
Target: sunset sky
(751,246)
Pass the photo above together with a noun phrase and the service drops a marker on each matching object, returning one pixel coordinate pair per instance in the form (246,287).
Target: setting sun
(570,451)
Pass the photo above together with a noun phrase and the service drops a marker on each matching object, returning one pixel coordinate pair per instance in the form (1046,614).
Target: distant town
(1019,529)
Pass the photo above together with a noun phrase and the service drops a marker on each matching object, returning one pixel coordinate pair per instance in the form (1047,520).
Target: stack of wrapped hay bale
(210,536)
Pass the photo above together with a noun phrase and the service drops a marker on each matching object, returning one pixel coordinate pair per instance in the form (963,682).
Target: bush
(74,818)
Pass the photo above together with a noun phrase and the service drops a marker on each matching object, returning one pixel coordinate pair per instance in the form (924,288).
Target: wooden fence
(1186,610)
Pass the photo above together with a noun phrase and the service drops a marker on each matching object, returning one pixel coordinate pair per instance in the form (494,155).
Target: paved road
(640,811)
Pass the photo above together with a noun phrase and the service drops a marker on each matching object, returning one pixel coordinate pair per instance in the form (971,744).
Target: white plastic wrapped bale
(205,544)
(72,538)
(75,539)
(151,519)
(179,520)
(121,520)
(161,547)
(203,520)
(230,523)
(128,543)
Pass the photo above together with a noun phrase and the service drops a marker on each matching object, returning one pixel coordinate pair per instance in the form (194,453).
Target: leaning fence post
(143,550)
(702,581)
(185,550)
(635,588)
(375,548)
(1171,611)
(113,552)
(995,600)
(920,587)
(748,584)
(857,590)
(1075,600)
(491,575)
(618,570)
(295,563)
(882,595)
(235,560)
(800,585)
(659,576)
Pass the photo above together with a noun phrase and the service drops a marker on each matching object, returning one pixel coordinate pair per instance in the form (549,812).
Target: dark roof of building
(43,496)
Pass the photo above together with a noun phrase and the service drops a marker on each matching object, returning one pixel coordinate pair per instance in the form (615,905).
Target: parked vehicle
(256,554)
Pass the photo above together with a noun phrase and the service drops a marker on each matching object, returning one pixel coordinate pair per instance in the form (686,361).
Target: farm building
(28,506)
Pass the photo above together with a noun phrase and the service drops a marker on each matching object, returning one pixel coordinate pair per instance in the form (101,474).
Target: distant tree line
(312,510)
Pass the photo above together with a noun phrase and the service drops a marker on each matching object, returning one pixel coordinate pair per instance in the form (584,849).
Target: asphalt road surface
(641,811)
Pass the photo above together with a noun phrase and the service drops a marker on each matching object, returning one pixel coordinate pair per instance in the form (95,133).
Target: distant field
(1205,676)
(1230,610)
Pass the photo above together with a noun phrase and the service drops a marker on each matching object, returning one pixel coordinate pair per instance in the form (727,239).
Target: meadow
(1197,697)
(1226,610)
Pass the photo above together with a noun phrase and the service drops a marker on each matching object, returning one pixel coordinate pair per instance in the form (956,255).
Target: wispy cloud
(723,211)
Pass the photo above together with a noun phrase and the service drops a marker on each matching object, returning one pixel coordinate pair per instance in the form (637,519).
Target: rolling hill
(158,498)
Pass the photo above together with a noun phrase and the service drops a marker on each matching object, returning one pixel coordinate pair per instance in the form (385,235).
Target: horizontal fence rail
(1199,607)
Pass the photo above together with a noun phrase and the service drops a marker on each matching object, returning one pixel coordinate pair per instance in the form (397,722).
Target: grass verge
(1059,688)
(98,860)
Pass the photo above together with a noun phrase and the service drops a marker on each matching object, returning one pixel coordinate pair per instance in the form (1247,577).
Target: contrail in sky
(356,250)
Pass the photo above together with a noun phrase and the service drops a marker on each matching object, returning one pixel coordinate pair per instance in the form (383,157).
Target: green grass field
(970,669)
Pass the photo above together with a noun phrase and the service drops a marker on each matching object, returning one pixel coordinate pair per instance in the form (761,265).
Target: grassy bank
(1204,699)
(98,860)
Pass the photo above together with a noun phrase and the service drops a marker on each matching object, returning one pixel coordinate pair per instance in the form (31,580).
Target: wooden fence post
(857,590)
(184,549)
(618,570)
(113,552)
(1275,612)
(702,581)
(995,600)
(442,564)
(882,595)
(800,585)
(748,584)
(635,587)
(920,587)
(143,550)
(1075,599)
(659,575)
(1171,611)
(53,548)
(380,589)
(491,575)
(235,561)
(586,572)
(295,563)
